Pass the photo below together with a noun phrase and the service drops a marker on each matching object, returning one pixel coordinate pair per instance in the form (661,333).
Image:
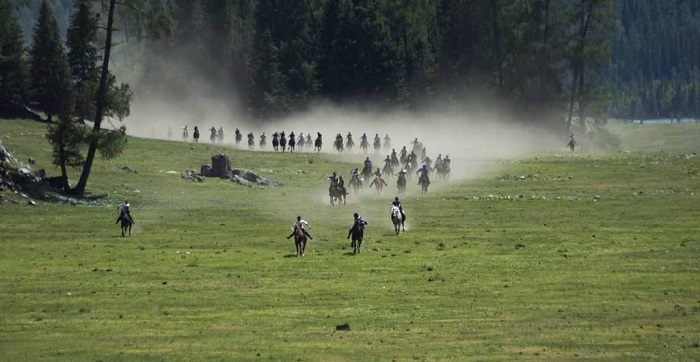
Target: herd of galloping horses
(402,165)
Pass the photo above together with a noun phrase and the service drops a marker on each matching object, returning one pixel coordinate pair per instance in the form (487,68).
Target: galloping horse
(251,140)
(300,241)
(357,232)
(401,182)
(275,141)
(283,141)
(263,140)
(318,143)
(356,183)
(300,141)
(367,171)
(339,143)
(350,144)
(423,182)
(364,145)
(379,183)
(292,142)
(126,223)
(238,137)
(397,219)
(337,194)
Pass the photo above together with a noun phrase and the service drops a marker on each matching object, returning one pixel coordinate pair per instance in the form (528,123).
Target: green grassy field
(498,268)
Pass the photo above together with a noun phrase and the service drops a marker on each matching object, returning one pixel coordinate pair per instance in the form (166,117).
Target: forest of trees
(556,63)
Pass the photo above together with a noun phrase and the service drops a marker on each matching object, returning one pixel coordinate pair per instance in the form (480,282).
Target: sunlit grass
(589,256)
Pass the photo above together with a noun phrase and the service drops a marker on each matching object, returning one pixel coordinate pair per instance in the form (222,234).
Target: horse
(337,194)
(300,142)
(379,184)
(356,183)
(350,144)
(251,140)
(364,145)
(318,143)
(397,218)
(377,145)
(443,170)
(300,241)
(292,142)
(283,141)
(367,171)
(239,136)
(401,182)
(572,143)
(185,134)
(275,141)
(263,141)
(126,223)
(339,144)
(387,170)
(423,182)
(357,232)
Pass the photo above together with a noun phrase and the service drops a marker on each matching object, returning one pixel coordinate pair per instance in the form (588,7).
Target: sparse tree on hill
(151,16)
(82,57)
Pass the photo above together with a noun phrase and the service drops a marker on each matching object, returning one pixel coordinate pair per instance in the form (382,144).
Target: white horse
(397,219)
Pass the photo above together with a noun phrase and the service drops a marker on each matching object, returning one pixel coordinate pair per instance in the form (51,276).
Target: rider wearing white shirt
(300,224)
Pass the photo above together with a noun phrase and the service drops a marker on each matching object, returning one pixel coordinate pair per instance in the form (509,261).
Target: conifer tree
(50,78)
(82,57)
(13,68)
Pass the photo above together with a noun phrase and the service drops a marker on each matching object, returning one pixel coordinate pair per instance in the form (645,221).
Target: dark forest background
(540,61)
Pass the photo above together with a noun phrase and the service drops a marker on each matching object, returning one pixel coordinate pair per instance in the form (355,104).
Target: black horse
(239,137)
(292,142)
(126,222)
(283,141)
(275,141)
(357,231)
(318,143)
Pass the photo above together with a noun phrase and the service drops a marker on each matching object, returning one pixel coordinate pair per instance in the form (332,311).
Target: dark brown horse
(126,223)
(300,241)
(357,232)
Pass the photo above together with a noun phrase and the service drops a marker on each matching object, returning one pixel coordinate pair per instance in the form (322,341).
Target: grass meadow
(557,256)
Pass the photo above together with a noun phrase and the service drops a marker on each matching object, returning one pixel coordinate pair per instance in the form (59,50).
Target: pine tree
(82,57)
(50,79)
(13,68)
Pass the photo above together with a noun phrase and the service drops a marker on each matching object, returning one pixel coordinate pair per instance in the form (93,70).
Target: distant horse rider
(572,142)
(220,134)
(300,224)
(423,171)
(124,210)
(185,133)
(195,136)
(212,137)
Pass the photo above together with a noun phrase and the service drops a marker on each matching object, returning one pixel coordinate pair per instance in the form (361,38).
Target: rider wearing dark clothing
(124,211)
(397,203)
(423,171)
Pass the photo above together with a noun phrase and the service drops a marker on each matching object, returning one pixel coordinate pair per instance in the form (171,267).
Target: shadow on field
(290,256)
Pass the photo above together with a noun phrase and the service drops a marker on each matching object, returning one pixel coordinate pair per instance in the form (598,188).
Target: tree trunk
(101,92)
(64,173)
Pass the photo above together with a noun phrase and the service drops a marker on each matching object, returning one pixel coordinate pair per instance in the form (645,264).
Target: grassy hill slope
(498,268)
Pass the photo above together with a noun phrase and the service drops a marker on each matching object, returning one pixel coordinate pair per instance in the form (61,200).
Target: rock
(192,175)
(220,165)
(205,170)
(40,173)
(342,327)
(31,202)
(253,178)
(241,181)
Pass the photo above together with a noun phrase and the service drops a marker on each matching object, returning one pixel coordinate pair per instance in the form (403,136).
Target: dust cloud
(181,95)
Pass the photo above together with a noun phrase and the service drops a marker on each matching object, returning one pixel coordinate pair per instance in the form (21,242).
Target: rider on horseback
(124,211)
(359,220)
(397,203)
(423,171)
(364,138)
(300,224)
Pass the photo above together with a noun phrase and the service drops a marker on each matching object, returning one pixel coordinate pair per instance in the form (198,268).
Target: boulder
(220,165)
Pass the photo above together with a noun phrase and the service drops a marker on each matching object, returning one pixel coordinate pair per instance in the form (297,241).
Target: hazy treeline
(655,70)
(537,60)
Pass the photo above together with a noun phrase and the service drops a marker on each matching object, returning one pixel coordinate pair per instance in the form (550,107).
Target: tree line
(541,62)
